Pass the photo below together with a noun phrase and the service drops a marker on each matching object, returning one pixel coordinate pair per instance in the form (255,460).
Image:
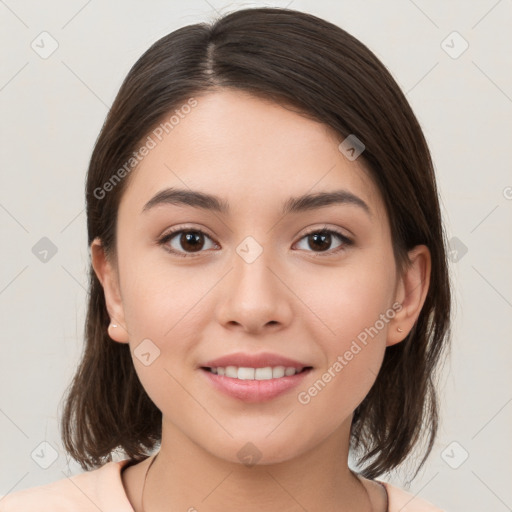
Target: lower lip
(255,390)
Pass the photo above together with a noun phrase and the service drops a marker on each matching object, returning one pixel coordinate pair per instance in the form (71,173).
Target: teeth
(232,371)
(245,373)
(278,371)
(262,373)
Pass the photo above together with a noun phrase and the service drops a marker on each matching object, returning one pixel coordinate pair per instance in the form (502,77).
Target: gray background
(52,109)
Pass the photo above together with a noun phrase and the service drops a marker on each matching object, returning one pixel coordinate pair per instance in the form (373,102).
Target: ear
(411,292)
(109,279)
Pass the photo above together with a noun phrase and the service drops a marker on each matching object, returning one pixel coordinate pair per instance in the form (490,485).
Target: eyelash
(324,231)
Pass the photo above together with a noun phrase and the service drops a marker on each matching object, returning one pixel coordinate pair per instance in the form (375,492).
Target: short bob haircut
(306,63)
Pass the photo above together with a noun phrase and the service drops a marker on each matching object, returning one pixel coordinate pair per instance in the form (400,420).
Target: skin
(294,300)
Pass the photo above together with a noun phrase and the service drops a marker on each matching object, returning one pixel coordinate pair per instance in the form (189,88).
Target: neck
(186,477)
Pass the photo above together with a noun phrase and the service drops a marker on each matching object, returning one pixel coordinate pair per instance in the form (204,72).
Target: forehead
(253,152)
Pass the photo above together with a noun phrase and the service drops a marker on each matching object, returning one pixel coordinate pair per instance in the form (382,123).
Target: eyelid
(326,228)
(186,227)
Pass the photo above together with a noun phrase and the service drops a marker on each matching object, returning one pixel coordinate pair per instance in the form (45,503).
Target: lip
(254,390)
(260,360)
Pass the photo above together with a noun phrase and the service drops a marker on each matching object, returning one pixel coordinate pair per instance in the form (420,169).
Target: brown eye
(320,241)
(185,242)
(191,240)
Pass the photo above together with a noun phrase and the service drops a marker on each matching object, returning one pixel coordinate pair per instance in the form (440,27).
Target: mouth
(254,377)
(253,385)
(253,373)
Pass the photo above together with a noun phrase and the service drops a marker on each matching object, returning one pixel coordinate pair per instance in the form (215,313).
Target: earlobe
(117,333)
(108,277)
(411,293)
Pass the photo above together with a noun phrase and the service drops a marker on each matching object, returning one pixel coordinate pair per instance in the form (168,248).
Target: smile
(253,385)
(246,373)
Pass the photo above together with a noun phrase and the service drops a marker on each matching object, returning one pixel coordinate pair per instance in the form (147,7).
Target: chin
(258,450)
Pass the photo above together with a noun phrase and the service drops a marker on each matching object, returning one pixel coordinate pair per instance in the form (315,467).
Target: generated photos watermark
(305,397)
(151,142)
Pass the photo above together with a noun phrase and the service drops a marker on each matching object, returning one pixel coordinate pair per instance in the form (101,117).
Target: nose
(254,295)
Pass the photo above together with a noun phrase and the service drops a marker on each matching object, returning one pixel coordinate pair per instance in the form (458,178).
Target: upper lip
(260,360)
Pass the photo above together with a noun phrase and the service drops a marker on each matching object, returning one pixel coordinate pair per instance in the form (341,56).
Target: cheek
(354,308)
(347,302)
(160,301)
(330,397)
(163,308)
(353,357)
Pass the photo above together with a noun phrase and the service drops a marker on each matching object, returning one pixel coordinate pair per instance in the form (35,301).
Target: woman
(268,288)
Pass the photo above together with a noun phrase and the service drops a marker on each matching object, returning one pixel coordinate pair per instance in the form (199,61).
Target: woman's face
(253,278)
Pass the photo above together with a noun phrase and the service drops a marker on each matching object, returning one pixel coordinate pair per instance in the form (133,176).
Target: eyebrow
(214,203)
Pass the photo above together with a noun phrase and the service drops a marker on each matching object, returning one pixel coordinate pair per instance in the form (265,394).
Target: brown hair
(296,59)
